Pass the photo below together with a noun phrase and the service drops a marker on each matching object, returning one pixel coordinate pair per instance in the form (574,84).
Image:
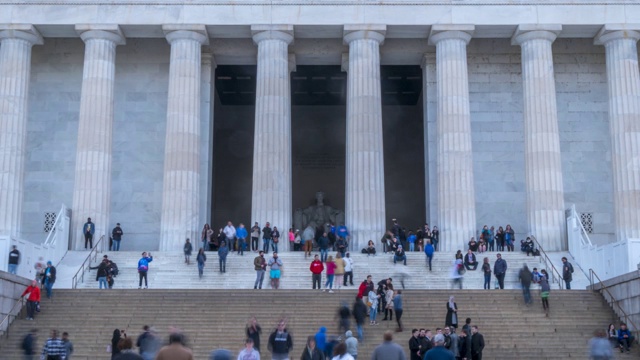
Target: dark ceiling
(318,85)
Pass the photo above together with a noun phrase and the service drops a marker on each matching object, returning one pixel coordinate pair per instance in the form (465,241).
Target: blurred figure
(53,348)
(249,352)
(253,331)
(525,278)
(118,335)
(311,351)
(340,352)
(175,350)
(126,352)
(29,345)
(68,345)
(457,272)
(599,346)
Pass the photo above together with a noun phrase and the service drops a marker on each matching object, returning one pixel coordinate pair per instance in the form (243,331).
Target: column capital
(272,32)
(186,32)
(208,58)
(26,32)
(528,32)
(111,32)
(617,31)
(444,32)
(359,32)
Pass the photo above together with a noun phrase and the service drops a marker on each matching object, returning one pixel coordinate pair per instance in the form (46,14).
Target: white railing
(52,249)
(608,260)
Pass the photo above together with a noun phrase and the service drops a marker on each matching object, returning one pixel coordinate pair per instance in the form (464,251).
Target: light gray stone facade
(594,161)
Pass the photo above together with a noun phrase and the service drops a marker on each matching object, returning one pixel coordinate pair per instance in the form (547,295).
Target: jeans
(265,245)
(200,269)
(323,254)
(274,246)
(329,282)
(241,246)
(223,264)
(412,247)
(491,245)
(88,239)
(254,243)
(315,279)
(500,278)
(429,259)
(259,279)
(116,245)
(567,284)
(142,274)
(435,244)
(400,258)
(527,294)
(205,245)
(31,308)
(231,243)
(487,281)
(49,286)
(13,269)
(398,317)
(360,332)
(372,314)
(103,281)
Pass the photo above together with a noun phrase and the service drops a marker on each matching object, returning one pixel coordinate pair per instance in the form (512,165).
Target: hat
(49,262)
(118,224)
(439,338)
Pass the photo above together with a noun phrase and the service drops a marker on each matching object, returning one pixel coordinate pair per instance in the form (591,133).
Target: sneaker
(323,290)
(330,291)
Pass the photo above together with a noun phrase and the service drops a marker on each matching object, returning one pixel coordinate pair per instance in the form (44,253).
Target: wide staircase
(168,270)
(214,319)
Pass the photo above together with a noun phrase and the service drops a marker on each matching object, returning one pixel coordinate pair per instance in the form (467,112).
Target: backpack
(114,269)
(571,268)
(461,269)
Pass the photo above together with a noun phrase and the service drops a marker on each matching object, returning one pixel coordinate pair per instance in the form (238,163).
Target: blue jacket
(622,333)
(411,239)
(90,226)
(241,233)
(223,251)
(321,338)
(428,249)
(342,231)
(143,264)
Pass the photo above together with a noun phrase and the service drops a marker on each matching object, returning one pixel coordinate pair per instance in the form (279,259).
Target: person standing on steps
(323,245)
(201,259)
(116,235)
(525,278)
(253,331)
(311,351)
(260,265)
(175,350)
(339,272)
(88,229)
(14,260)
(255,235)
(280,342)
(205,237)
(477,343)
(266,237)
(429,250)
(316,269)
(53,348)
(452,313)
(567,271)
(331,269)
(49,278)
(32,294)
(275,239)
(68,345)
(545,289)
(348,270)
(241,234)
(188,248)
(439,352)
(230,235)
(276,270)
(352,344)
(499,270)
(223,251)
(143,269)
(486,271)
(249,352)
(28,345)
(397,307)
(388,350)
(359,314)
(307,237)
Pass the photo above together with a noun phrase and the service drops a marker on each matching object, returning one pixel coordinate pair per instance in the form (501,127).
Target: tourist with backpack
(143,269)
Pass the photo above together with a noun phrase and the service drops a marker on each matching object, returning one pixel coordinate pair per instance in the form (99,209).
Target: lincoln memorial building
(164,115)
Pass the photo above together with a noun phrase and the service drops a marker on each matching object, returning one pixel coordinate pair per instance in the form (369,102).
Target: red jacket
(316,267)
(34,293)
(362,289)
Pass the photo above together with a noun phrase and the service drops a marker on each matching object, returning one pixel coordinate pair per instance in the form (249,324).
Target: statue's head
(320,197)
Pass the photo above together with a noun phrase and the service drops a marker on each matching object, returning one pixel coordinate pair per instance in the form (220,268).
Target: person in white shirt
(230,233)
(249,352)
(348,270)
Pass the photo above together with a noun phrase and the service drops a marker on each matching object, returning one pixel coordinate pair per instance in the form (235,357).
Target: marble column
(16,42)
(92,189)
(456,194)
(365,201)
(181,183)
(623,79)
(545,194)
(271,192)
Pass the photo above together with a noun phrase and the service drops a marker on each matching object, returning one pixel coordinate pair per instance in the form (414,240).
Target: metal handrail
(627,319)
(87,262)
(7,318)
(54,228)
(583,232)
(549,263)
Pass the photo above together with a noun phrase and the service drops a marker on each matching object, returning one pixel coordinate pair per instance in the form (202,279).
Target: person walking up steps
(187,251)
(260,265)
(143,269)
(201,259)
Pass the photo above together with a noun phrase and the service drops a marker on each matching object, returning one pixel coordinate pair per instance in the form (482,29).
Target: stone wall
(11,288)
(626,291)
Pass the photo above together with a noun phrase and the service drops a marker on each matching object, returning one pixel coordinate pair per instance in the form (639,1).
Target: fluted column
(365,202)
(545,194)
(92,189)
(623,79)
(271,193)
(456,194)
(16,42)
(181,183)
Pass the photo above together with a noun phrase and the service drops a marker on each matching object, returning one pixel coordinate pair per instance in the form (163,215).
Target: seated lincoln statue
(318,215)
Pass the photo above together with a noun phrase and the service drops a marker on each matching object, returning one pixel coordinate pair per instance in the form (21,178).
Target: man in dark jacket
(323,245)
(470,261)
(414,345)
(359,314)
(500,269)
(526,277)
(567,271)
(266,237)
(29,345)
(116,235)
(477,343)
(280,342)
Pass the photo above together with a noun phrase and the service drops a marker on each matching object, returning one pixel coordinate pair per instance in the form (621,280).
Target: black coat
(449,318)
(414,348)
(477,343)
(359,311)
(316,354)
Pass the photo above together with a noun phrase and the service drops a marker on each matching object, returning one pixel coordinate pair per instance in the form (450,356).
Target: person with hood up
(352,344)
(321,339)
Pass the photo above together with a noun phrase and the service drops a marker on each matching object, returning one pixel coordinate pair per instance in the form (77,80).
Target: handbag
(369,303)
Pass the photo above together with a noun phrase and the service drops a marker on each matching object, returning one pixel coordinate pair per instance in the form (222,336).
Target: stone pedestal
(271,193)
(456,194)
(365,201)
(181,184)
(623,78)
(545,195)
(16,42)
(92,189)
